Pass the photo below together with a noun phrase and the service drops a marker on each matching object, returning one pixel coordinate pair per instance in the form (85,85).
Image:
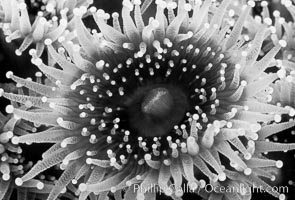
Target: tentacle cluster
(281,31)
(52,21)
(155,104)
(13,163)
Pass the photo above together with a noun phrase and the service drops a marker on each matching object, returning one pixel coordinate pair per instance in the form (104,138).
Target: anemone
(282,91)
(155,104)
(52,21)
(13,164)
(285,30)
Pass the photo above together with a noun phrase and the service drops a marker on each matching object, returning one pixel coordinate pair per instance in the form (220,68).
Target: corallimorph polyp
(11,160)
(52,21)
(13,164)
(157,104)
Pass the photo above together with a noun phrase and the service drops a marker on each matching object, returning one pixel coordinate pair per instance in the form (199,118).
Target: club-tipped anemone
(13,164)
(279,28)
(284,29)
(51,22)
(282,91)
(52,8)
(157,103)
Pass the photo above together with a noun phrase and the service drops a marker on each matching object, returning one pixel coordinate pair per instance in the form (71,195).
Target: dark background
(22,66)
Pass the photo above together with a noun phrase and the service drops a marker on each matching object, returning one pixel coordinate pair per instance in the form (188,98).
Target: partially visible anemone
(50,22)
(283,32)
(156,104)
(13,164)
(51,8)
(253,21)
(286,31)
(283,90)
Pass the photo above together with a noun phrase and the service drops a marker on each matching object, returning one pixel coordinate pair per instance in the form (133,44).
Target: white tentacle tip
(18,52)
(18,181)
(8,40)
(77,12)
(282,197)
(279,164)
(6,177)
(251,3)
(9,74)
(283,43)
(15,140)
(127,4)
(82,187)
(222,177)
(22,6)
(89,161)
(40,185)
(137,2)
(9,109)
(48,41)
(248,171)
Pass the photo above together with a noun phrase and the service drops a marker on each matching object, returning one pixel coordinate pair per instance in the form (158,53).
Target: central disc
(154,111)
(158,102)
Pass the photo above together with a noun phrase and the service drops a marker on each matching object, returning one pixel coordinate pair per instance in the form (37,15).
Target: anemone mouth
(155,110)
(157,102)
